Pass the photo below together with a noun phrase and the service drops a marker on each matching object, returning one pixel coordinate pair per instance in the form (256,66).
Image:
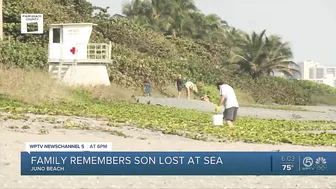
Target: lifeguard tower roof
(72,24)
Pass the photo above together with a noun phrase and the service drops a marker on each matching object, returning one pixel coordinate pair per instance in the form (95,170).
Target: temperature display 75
(287,167)
(287,163)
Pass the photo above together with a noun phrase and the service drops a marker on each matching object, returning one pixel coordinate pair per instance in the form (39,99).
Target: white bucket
(217,119)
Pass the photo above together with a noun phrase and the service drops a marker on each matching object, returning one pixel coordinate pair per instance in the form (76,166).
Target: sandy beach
(14,133)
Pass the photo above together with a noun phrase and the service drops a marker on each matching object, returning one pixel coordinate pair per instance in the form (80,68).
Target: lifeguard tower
(75,61)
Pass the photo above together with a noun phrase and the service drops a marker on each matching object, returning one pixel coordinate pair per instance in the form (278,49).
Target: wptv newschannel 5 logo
(319,163)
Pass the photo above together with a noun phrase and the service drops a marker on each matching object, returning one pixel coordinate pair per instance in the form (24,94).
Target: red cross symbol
(73,50)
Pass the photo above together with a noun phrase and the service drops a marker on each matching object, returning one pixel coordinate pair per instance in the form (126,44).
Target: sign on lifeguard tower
(73,59)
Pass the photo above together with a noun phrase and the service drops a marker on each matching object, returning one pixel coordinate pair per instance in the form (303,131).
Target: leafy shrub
(22,55)
(176,55)
(131,67)
(266,90)
(125,32)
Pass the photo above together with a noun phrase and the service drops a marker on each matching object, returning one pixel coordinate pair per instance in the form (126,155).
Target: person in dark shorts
(228,97)
(179,85)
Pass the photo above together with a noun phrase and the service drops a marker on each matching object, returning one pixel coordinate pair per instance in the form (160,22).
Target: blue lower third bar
(178,163)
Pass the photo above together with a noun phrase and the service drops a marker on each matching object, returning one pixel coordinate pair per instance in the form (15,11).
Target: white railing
(84,53)
(100,51)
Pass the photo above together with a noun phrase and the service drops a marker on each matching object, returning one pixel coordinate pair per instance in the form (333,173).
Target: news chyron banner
(94,158)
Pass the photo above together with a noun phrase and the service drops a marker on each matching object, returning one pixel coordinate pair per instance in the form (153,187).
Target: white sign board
(32,23)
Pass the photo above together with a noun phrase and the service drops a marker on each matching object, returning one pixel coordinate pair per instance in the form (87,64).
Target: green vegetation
(32,27)
(245,100)
(18,98)
(173,121)
(160,39)
(168,37)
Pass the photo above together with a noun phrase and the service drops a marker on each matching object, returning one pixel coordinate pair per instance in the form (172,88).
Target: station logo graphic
(308,163)
(320,164)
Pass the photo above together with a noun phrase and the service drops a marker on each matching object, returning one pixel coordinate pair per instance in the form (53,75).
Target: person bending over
(190,86)
(228,97)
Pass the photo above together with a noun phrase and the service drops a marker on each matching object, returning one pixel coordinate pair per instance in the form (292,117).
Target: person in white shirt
(190,86)
(228,97)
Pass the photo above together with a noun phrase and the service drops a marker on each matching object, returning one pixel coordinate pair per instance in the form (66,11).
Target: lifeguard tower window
(56,35)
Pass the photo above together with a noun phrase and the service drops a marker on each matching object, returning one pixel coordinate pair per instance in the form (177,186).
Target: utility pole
(1,21)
